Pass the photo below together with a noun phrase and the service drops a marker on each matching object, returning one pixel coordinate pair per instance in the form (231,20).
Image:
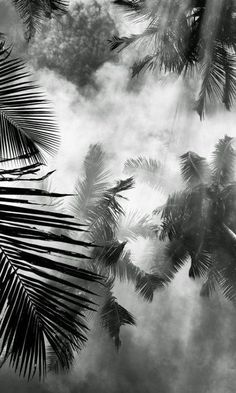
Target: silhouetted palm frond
(38,303)
(108,210)
(148,283)
(223,161)
(175,256)
(125,269)
(113,316)
(146,63)
(93,185)
(194,169)
(218,78)
(135,224)
(34,12)
(28,124)
(146,169)
(131,7)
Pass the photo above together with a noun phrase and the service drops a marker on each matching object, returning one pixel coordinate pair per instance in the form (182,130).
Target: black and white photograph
(117,196)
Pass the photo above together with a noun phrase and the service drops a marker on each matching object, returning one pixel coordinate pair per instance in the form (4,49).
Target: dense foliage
(193,38)
(76,46)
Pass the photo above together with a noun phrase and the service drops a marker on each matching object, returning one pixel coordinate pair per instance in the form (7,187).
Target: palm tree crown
(97,204)
(200,222)
(186,36)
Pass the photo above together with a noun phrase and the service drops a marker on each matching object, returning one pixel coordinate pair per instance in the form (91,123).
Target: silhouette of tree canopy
(199,223)
(196,38)
(76,46)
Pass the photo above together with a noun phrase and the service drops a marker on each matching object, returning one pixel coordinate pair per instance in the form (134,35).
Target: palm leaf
(38,302)
(175,256)
(110,253)
(201,262)
(91,188)
(130,6)
(27,122)
(173,214)
(147,63)
(146,169)
(148,283)
(219,78)
(211,283)
(124,269)
(134,224)
(113,316)
(229,91)
(34,12)
(223,161)
(222,274)
(194,169)
(107,211)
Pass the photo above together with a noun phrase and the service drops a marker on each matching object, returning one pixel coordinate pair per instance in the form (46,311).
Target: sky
(183,343)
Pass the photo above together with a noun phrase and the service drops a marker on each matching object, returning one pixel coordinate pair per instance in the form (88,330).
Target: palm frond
(201,262)
(194,169)
(173,215)
(53,364)
(132,7)
(113,316)
(27,121)
(91,188)
(135,224)
(211,283)
(147,63)
(146,169)
(119,43)
(219,77)
(108,210)
(34,12)
(175,256)
(38,302)
(229,90)
(223,273)
(223,161)
(108,254)
(125,269)
(148,283)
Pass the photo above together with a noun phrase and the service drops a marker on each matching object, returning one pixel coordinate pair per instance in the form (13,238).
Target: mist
(182,342)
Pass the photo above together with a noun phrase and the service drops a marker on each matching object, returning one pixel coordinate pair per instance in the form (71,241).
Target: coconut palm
(187,37)
(199,223)
(97,204)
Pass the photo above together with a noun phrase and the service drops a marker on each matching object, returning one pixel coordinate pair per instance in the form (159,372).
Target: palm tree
(97,204)
(192,37)
(199,223)
(35,311)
